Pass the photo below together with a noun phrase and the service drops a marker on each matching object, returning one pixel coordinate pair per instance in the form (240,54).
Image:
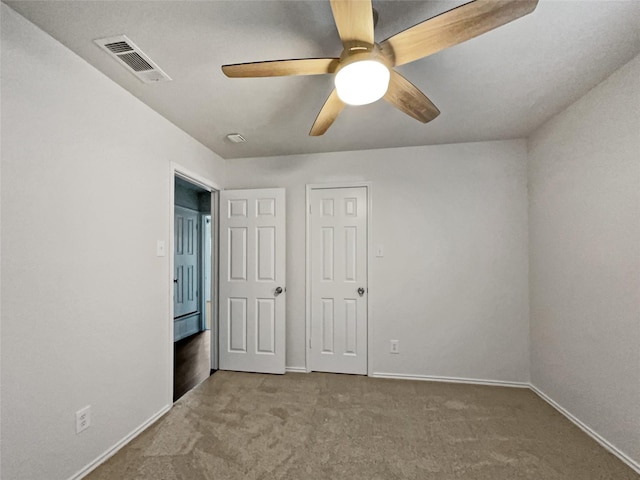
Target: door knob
(361,291)
(278,291)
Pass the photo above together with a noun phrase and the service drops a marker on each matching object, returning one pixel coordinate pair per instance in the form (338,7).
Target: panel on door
(252,280)
(338,249)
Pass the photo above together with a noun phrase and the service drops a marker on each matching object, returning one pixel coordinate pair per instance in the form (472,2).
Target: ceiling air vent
(133,59)
(236,138)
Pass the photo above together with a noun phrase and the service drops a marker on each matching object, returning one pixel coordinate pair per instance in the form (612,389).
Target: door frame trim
(177,170)
(322,186)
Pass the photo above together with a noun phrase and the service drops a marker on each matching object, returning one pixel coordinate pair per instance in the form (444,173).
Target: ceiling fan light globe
(363,82)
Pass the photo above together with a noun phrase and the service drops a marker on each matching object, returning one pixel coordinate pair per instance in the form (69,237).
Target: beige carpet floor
(325,426)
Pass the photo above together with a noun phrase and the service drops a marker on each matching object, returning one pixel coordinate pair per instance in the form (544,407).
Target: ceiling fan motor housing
(358,52)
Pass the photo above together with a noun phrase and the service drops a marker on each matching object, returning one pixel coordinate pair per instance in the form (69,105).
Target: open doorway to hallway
(193,282)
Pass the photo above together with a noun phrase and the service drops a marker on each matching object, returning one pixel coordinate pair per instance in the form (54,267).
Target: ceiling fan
(365,72)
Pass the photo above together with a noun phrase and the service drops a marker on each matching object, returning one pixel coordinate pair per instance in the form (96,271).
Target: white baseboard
(114,449)
(296,369)
(588,430)
(432,378)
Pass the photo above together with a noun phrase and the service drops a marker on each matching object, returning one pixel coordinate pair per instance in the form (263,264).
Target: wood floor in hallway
(191,362)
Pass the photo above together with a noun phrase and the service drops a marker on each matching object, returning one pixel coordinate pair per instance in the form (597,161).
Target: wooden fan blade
(329,112)
(280,68)
(453,27)
(354,20)
(406,97)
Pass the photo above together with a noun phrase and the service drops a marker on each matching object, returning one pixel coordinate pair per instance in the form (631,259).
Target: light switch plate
(160,249)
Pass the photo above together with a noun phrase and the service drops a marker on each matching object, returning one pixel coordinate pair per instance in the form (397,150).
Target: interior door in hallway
(338,249)
(252,280)
(186,262)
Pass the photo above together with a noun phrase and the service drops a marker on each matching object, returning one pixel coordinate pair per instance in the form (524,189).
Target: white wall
(86,185)
(584,183)
(452,286)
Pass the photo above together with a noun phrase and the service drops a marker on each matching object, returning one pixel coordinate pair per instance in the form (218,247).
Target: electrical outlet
(83,419)
(395,346)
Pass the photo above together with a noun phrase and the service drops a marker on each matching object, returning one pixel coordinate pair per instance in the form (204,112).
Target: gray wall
(85,299)
(185,197)
(584,183)
(189,196)
(453,284)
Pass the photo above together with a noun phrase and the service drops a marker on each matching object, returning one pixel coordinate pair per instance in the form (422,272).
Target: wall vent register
(125,52)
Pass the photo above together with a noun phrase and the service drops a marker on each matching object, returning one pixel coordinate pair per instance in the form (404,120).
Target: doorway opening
(193,285)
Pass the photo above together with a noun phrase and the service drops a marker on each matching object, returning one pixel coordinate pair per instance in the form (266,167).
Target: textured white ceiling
(498,86)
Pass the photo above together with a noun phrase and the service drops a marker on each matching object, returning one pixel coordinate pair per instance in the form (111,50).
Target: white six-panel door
(186,259)
(252,280)
(338,249)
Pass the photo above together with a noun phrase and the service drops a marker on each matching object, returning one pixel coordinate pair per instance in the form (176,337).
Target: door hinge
(309,343)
